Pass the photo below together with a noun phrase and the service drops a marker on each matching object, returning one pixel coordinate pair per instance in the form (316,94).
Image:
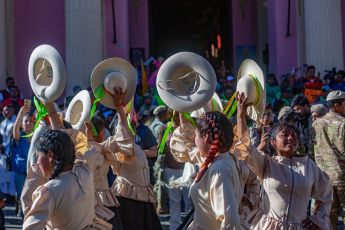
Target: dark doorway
(191,25)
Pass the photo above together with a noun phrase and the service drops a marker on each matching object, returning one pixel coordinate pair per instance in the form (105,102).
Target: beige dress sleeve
(322,192)
(256,160)
(223,200)
(41,210)
(34,179)
(121,142)
(182,145)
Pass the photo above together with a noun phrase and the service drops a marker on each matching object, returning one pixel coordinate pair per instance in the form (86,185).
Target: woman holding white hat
(113,152)
(288,178)
(134,191)
(217,190)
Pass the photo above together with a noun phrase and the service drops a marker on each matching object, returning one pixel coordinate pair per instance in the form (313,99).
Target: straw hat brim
(120,65)
(189,101)
(47,84)
(247,67)
(79,110)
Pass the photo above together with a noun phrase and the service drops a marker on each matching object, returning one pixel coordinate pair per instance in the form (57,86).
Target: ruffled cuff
(135,192)
(182,145)
(103,213)
(321,220)
(106,198)
(243,147)
(99,224)
(122,159)
(121,142)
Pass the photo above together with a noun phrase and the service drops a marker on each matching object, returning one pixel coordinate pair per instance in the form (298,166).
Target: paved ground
(14,222)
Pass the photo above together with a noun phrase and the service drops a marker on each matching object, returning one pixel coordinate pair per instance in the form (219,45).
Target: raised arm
(256,160)
(16,128)
(55,121)
(182,144)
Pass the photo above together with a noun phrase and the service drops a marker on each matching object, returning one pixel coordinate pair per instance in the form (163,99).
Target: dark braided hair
(279,126)
(219,129)
(62,147)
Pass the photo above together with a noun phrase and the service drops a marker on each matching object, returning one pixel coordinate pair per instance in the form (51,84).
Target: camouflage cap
(335,95)
(159,109)
(319,108)
(283,111)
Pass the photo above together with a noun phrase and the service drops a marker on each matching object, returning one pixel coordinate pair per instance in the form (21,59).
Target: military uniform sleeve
(182,145)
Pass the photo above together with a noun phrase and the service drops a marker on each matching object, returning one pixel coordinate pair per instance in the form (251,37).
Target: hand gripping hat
(250,80)
(114,72)
(186,82)
(79,110)
(215,104)
(47,73)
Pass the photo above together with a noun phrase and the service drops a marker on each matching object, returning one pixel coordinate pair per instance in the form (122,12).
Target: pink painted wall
(342,5)
(244,32)
(283,50)
(36,22)
(139,25)
(121,48)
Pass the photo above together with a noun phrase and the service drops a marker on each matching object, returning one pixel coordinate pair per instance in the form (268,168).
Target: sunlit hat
(215,104)
(251,81)
(114,72)
(47,73)
(79,110)
(186,82)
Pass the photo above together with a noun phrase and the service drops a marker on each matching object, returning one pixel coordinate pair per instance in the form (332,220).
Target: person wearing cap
(329,149)
(317,111)
(161,117)
(284,111)
(325,90)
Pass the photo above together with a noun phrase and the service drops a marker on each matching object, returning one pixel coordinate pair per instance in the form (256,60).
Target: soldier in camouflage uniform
(329,149)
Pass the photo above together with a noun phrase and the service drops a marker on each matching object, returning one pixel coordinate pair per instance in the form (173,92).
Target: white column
(2,45)
(84,41)
(323,34)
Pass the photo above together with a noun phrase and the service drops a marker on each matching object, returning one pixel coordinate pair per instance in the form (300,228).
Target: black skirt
(116,220)
(138,215)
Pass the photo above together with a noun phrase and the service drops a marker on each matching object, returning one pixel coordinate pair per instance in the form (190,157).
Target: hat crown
(115,79)
(247,85)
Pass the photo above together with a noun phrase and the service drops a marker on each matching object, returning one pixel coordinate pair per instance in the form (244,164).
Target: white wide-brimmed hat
(114,72)
(215,104)
(79,110)
(186,82)
(251,81)
(47,73)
